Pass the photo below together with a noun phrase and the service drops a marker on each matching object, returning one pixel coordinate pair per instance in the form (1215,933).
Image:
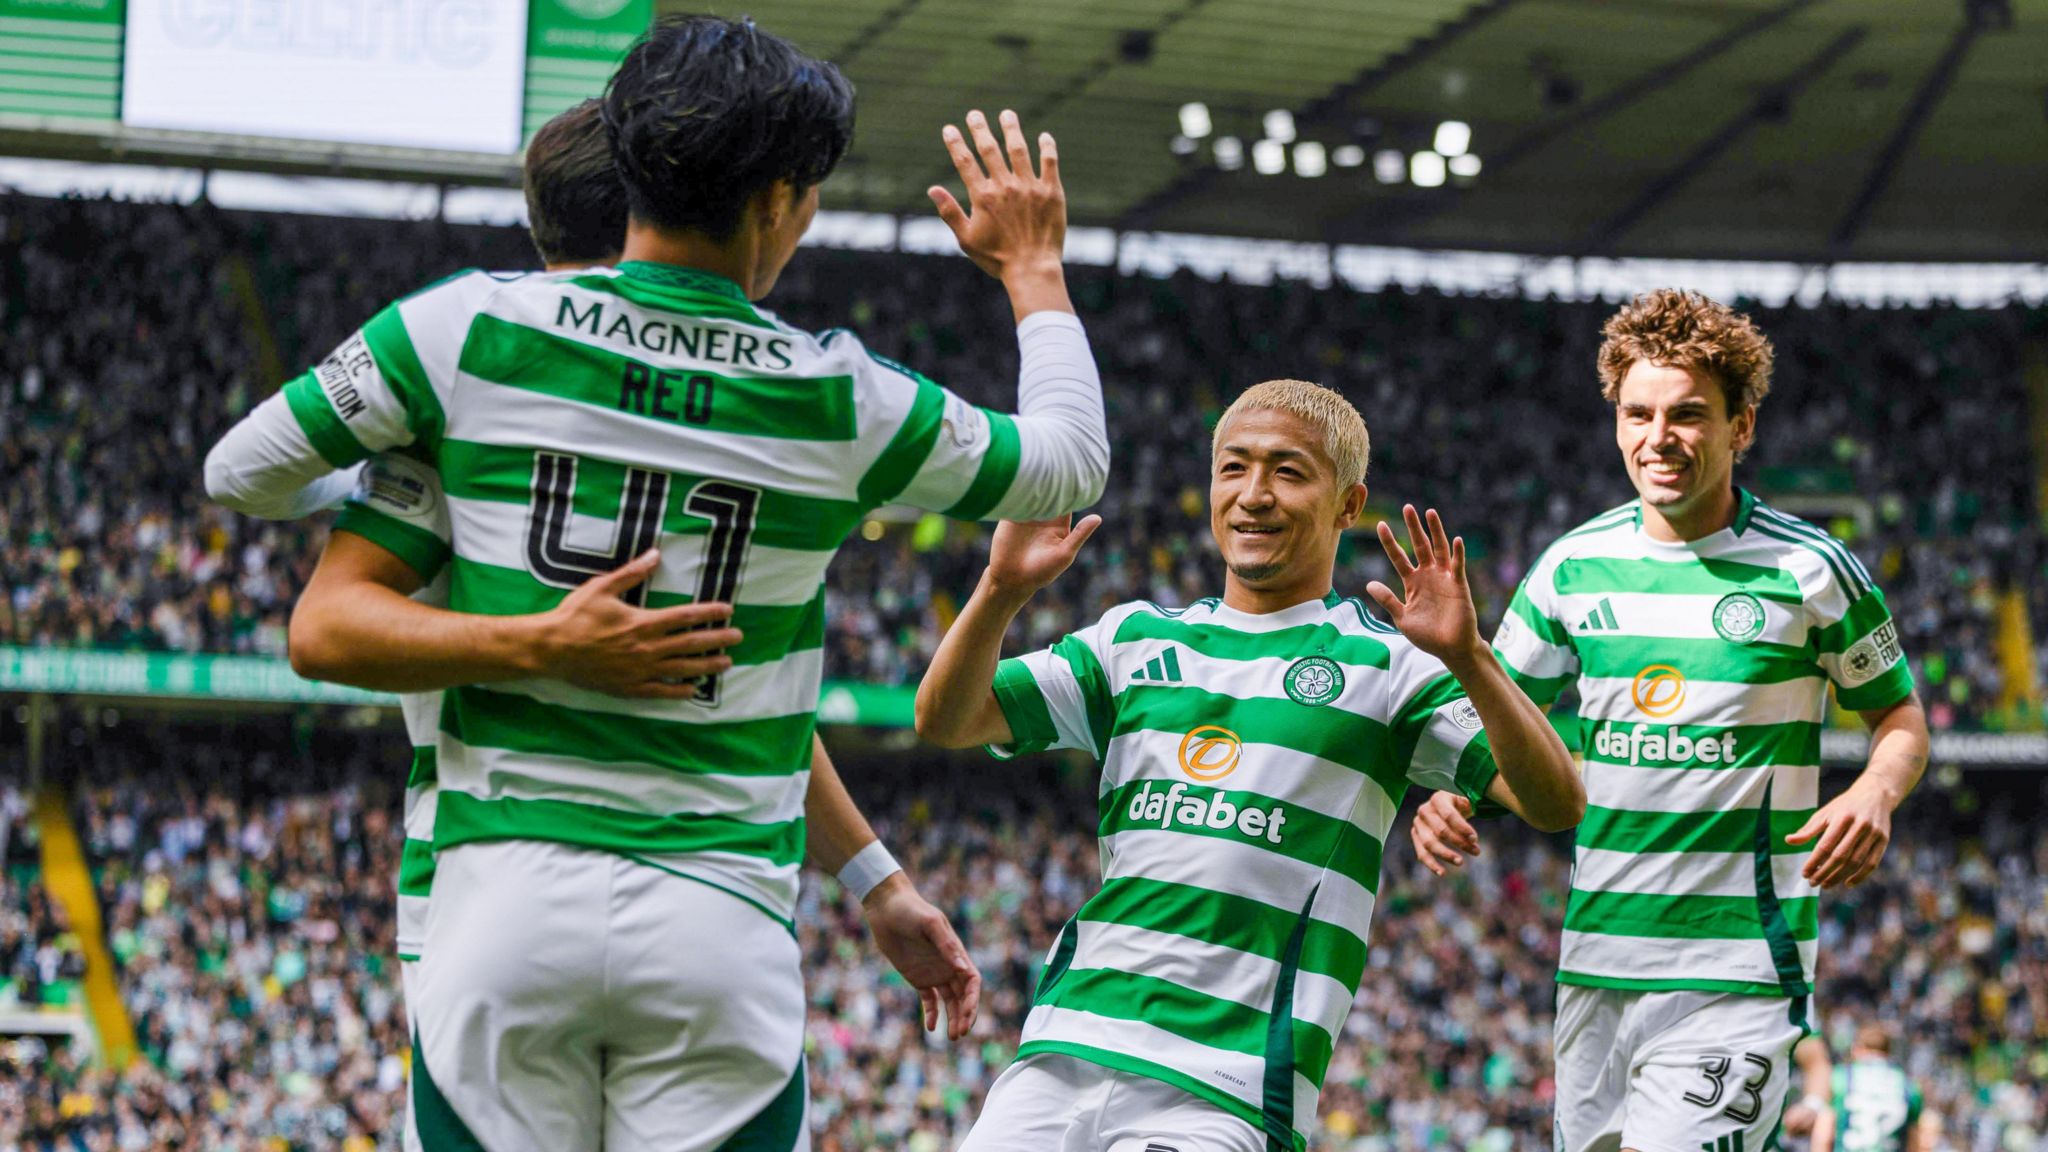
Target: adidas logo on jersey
(1600,619)
(1161,669)
(1175,806)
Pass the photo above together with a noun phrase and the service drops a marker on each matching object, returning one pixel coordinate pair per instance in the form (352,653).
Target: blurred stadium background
(1430,204)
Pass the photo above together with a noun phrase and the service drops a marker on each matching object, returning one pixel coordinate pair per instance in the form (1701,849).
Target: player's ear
(1352,508)
(1745,429)
(772,206)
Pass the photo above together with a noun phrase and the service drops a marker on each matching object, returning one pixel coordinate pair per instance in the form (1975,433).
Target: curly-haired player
(1703,630)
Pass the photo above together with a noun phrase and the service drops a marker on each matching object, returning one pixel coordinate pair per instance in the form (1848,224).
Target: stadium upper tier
(135,334)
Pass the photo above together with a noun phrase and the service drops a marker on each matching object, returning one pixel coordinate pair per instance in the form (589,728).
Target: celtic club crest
(1739,618)
(1314,681)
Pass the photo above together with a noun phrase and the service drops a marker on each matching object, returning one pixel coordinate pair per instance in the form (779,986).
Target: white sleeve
(949,456)
(267,468)
(1062,437)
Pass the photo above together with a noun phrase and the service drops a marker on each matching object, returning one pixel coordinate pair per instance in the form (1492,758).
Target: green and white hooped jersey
(1876,1105)
(1251,766)
(577,419)
(1702,670)
(398,504)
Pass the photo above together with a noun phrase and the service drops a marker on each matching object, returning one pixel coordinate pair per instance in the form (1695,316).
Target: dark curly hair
(1683,329)
(575,203)
(704,112)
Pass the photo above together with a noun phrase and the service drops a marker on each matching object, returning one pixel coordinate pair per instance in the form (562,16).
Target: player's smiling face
(1276,505)
(1677,437)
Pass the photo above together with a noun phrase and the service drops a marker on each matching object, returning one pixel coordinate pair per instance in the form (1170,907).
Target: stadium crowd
(40,961)
(244,866)
(1897,428)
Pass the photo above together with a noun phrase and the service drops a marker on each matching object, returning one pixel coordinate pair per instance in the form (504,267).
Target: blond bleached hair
(1345,441)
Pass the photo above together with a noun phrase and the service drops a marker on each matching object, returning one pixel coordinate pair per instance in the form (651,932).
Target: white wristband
(869,867)
(1817,1103)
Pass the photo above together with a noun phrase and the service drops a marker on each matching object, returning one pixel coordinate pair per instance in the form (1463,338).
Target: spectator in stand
(40,961)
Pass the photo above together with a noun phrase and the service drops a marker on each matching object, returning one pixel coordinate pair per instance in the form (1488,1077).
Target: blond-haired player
(1255,749)
(1703,629)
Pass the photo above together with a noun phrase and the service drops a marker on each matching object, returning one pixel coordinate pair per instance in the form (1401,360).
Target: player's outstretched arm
(1437,616)
(266,467)
(356,624)
(956,700)
(1014,228)
(908,929)
(1855,828)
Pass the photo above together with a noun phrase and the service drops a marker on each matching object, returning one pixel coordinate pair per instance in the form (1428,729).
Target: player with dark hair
(627,454)
(396,512)
(575,201)
(1703,630)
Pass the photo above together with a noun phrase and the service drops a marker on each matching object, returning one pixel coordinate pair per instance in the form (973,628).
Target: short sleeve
(388,384)
(399,506)
(1532,644)
(1057,697)
(1445,744)
(1861,654)
(941,454)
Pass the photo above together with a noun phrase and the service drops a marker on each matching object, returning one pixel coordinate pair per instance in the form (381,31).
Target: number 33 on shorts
(1747,1104)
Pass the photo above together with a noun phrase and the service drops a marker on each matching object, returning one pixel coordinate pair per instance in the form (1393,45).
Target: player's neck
(734,259)
(1682,526)
(1239,596)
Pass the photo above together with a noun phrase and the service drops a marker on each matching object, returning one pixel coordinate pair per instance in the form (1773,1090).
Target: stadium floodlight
(1389,166)
(1466,166)
(1280,126)
(1453,138)
(1426,169)
(1229,153)
(1194,120)
(1310,159)
(1269,157)
(1347,156)
(1182,146)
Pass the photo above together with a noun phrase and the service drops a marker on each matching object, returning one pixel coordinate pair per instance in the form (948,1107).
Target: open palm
(1436,614)
(1032,553)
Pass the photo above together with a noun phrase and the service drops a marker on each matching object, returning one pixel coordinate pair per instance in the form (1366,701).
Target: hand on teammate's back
(921,944)
(1437,614)
(594,639)
(1026,555)
(1016,218)
(1442,832)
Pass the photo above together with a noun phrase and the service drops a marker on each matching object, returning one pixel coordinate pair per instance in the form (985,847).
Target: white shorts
(1672,1071)
(574,1000)
(1054,1103)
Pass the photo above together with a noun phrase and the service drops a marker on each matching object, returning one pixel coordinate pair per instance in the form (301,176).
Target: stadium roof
(1808,130)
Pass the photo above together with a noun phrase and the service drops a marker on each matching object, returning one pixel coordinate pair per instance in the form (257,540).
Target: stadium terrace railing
(265,680)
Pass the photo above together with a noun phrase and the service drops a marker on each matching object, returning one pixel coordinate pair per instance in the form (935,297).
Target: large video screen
(444,74)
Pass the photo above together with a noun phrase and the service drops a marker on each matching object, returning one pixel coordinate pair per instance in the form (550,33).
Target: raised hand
(1436,615)
(1026,555)
(594,639)
(1016,218)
